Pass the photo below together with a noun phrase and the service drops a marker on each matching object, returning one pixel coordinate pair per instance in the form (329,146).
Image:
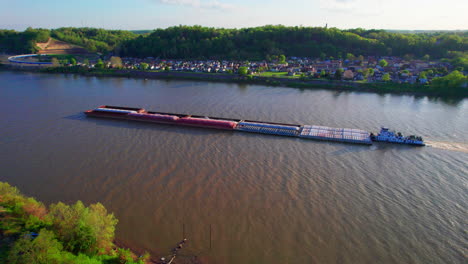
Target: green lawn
(273,74)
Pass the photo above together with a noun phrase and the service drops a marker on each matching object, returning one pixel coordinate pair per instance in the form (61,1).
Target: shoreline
(333,85)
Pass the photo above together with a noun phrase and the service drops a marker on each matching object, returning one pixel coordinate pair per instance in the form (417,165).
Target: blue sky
(150,14)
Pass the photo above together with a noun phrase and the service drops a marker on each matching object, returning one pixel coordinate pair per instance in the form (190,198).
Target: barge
(281,129)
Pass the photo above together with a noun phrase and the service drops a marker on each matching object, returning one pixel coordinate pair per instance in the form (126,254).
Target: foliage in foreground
(32,233)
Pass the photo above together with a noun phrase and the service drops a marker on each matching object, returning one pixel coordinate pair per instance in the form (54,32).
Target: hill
(53,46)
(194,42)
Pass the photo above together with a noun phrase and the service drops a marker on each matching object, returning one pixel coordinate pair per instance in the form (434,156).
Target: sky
(151,14)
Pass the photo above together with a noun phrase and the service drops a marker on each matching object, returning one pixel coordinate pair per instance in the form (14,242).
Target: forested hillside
(260,42)
(196,42)
(93,39)
(22,42)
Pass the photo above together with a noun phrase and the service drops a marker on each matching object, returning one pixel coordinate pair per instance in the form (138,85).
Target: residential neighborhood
(371,69)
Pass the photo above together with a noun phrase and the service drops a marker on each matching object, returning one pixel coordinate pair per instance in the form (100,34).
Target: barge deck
(280,129)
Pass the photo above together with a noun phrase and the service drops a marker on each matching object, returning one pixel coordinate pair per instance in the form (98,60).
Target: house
(348,75)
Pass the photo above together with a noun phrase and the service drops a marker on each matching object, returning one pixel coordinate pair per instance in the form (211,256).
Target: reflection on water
(268,199)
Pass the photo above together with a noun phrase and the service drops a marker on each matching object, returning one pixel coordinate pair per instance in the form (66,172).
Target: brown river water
(267,199)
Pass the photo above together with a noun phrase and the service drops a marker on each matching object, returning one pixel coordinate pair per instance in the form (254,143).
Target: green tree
(405,72)
(83,229)
(44,249)
(383,63)
(323,74)
(116,62)
(451,83)
(350,56)
(368,72)
(73,61)
(99,64)
(323,56)
(243,70)
(86,62)
(426,57)
(144,66)
(386,77)
(282,59)
(339,74)
(422,75)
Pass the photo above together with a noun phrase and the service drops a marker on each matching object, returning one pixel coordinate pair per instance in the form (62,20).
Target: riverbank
(302,83)
(50,234)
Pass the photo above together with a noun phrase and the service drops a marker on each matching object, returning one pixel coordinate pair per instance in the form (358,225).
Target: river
(266,199)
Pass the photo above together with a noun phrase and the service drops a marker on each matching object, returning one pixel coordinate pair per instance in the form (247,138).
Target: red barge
(140,114)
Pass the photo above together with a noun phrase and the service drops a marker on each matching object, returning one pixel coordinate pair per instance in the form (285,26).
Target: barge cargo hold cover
(336,134)
(290,130)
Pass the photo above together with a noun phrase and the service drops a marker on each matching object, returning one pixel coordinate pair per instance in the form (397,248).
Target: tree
(86,62)
(350,56)
(282,59)
(73,61)
(243,70)
(426,57)
(422,75)
(383,63)
(43,249)
(323,74)
(405,72)
(99,64)
(453,82)
(386,77)
(368,72)
(81,229)
(338,74)
(55,62)
(144,66)
(116,62)
(323,56)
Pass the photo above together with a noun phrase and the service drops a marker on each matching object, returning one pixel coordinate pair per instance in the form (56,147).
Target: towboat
(386,135)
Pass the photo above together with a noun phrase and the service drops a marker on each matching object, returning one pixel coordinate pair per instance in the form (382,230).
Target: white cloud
(354,7)
(213,4)
(339,4)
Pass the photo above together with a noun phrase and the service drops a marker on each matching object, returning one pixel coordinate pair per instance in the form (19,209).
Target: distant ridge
(416,31)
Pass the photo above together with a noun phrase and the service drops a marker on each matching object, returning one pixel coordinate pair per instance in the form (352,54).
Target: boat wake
(453,146)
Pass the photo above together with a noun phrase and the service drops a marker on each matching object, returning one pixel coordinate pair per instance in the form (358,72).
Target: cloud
(339,4)
(354,7)
(212,4)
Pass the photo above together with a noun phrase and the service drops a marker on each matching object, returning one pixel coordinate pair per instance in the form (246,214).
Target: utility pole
(210,236)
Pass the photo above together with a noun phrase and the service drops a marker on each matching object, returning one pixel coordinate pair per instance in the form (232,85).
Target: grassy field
(273,74)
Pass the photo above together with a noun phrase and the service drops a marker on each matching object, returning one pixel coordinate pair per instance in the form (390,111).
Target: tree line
(93,39)
(22,42)
(317,42)
(33,233)
(258,43)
